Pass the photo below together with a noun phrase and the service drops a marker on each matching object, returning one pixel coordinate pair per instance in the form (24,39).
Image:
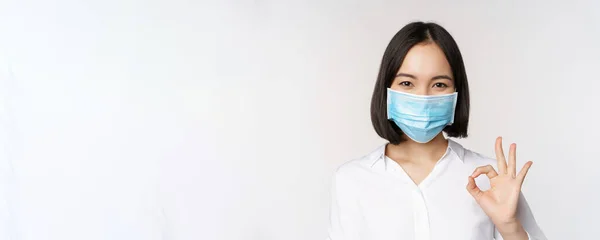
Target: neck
(411,151)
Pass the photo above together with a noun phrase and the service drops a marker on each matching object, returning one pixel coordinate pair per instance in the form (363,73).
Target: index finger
(500,156)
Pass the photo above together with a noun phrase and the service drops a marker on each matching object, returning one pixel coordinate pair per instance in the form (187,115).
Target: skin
(426,71)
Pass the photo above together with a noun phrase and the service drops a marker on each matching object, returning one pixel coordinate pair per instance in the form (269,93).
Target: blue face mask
(421,117)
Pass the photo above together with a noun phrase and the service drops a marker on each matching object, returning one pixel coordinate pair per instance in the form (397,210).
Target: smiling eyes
(435,85)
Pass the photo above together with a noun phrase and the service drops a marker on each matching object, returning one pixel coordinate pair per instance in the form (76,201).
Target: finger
(512,160)
(523,172)
(473,189)
(500,156)
(487,170)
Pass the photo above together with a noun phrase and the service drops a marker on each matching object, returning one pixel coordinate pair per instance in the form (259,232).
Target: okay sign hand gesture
(500,201)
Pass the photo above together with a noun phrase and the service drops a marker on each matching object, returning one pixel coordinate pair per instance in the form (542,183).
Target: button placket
(421,215)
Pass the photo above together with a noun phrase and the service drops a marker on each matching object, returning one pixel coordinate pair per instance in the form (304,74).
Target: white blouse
(374,199)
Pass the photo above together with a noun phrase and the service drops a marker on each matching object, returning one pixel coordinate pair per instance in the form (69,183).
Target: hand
(500,201)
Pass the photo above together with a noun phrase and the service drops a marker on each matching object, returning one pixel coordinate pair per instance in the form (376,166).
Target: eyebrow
(405,75)
(441,77)
(433,78)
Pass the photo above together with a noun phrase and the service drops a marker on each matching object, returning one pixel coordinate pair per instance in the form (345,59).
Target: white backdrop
(123,119)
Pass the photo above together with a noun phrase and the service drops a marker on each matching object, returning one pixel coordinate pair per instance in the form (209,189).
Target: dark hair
(409,36)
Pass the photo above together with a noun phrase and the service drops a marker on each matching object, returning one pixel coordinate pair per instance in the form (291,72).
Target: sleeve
(344,214)
(526,218)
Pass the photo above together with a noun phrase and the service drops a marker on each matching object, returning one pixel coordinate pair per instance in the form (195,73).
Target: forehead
(425,59)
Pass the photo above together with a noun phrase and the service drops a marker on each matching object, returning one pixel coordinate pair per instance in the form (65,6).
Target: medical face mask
(421,117)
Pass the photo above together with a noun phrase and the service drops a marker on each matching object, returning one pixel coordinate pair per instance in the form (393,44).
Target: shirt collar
(457,148)
(379,154)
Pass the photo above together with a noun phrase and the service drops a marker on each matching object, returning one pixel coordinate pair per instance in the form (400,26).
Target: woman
(414,186)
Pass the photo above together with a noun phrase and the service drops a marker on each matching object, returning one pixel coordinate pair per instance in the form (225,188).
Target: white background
(225,120)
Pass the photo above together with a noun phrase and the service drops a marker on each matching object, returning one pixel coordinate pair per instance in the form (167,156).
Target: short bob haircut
(410,35)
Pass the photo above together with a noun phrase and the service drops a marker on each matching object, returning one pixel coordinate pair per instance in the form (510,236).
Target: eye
(440,85)
(406,84)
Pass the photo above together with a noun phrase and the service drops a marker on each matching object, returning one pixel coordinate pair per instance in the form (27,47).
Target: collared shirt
(374,199)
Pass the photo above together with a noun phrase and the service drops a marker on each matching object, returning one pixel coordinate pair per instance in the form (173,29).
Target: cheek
(448,90)
(397,87)
(442,92)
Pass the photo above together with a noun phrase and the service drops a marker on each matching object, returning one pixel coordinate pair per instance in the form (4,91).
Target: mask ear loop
(454,108)
(387,107)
